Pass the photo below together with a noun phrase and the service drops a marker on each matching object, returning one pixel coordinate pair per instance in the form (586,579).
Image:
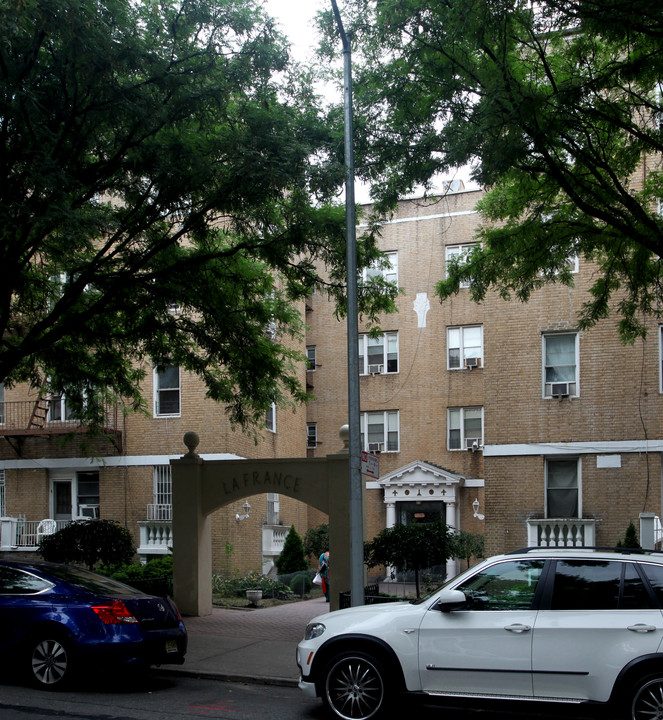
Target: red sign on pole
(370,464)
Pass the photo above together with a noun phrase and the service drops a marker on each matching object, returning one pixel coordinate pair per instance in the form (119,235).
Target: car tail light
(114,613)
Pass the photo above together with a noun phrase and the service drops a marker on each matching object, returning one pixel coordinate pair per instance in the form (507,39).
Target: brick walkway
(282,622)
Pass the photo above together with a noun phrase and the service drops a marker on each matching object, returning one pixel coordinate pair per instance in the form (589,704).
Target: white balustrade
(561,532)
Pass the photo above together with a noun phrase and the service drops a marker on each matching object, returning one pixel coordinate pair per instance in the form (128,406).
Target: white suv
(549,625)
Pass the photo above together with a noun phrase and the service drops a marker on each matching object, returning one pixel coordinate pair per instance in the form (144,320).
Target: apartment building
(500,417)
(51,469)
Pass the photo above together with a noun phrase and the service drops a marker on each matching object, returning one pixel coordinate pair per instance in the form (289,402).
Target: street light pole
(355,495)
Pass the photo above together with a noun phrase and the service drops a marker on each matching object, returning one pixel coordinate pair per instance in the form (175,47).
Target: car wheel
(356,687)
(50,662)
(648,699)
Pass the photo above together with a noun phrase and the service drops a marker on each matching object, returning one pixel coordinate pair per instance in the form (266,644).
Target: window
(465,428)
(593,585)
(506,586)
(562,488)
(464,347)
(3,499)
(311,435)
(389,274)
(17,582)
(660,357)
(273,509)
(458,253)
(310,357)
(379,431)
(166,391)
(59,410)
(378,355)
(87,494)
(2,403)
(560,363)
(270,418)
(163,493)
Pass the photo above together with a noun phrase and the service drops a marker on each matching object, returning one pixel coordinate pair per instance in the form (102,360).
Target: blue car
(57,620)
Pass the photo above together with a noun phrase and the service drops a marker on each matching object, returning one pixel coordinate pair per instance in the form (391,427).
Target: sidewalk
(254,646)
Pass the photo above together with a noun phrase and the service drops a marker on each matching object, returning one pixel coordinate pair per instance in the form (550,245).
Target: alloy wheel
(648,701)
(355,688)
(49,662)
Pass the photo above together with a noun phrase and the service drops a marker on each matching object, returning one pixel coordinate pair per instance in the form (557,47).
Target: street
(159,696)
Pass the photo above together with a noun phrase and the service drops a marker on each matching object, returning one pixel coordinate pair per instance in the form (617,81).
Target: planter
(254,596)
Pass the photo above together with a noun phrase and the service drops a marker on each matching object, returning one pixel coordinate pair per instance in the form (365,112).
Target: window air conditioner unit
(472,444)
(471,363)
(560,390)
(89,511)
(375,447)
(375,369)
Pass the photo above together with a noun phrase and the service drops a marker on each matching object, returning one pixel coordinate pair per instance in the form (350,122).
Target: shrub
(88,542)
(301,584)
(237,587)
(292,556)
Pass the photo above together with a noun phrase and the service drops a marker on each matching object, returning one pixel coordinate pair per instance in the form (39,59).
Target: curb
(230,677)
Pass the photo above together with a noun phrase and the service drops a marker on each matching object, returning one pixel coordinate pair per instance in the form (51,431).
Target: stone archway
(202,486)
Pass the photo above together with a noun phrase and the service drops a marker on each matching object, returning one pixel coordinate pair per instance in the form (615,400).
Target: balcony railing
(156,537)
(561,532)
(22,534)
(30,417)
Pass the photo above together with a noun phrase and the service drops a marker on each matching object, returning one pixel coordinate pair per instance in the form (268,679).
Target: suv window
(505,586)
(597,585)
(654,574)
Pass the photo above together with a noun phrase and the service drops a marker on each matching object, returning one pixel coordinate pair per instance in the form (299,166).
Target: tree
(630,539)
(555,105)
(292,557)
(165,178)
(316,540)
(89,542)
(467,545)
(410,547)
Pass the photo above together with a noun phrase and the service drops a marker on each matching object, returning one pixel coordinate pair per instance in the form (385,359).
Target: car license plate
(171,646)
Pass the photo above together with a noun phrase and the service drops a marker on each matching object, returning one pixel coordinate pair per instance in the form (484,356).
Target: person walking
(323,569)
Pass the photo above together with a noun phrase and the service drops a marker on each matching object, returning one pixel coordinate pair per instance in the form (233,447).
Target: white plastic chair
(46,527)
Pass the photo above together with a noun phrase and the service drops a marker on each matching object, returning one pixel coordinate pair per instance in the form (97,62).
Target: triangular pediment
(419,473)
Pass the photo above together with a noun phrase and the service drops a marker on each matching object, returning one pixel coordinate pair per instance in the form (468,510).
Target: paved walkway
(248,645)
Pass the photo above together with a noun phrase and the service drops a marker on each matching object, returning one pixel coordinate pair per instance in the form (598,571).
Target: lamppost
(356,500)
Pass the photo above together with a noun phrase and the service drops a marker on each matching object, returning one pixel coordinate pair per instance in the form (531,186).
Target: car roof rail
(598,548)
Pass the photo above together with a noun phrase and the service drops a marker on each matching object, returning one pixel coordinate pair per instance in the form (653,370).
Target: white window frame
(273,509)
(660,358)
(389,274)
(461,252)
(390,424)
(58,410)
(162,491)
(311,435)
(574,384)
(2,405)
(158,390)
(465,436)
(270,418)
(310,358)
(578,486)
(388,340)
(463,354)
(73,478)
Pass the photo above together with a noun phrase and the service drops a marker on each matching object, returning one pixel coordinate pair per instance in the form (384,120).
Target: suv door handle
(641,628)
(518,628)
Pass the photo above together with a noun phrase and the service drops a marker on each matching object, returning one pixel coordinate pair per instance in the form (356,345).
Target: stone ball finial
(344,434)
(191,440)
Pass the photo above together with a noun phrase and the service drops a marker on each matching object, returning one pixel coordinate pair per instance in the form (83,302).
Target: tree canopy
(165,187)
(555,105)
(410,547)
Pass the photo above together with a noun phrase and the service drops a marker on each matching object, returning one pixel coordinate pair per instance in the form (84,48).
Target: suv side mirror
(449,600)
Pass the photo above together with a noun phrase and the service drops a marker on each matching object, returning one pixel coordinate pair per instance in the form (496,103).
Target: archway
(202,486)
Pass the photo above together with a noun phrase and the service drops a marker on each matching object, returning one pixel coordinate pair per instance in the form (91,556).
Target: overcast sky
(295,17)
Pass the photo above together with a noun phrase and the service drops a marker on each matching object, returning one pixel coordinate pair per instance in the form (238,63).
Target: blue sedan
(57,620)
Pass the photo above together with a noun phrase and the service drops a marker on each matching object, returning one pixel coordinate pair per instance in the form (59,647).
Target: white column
(391,514)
